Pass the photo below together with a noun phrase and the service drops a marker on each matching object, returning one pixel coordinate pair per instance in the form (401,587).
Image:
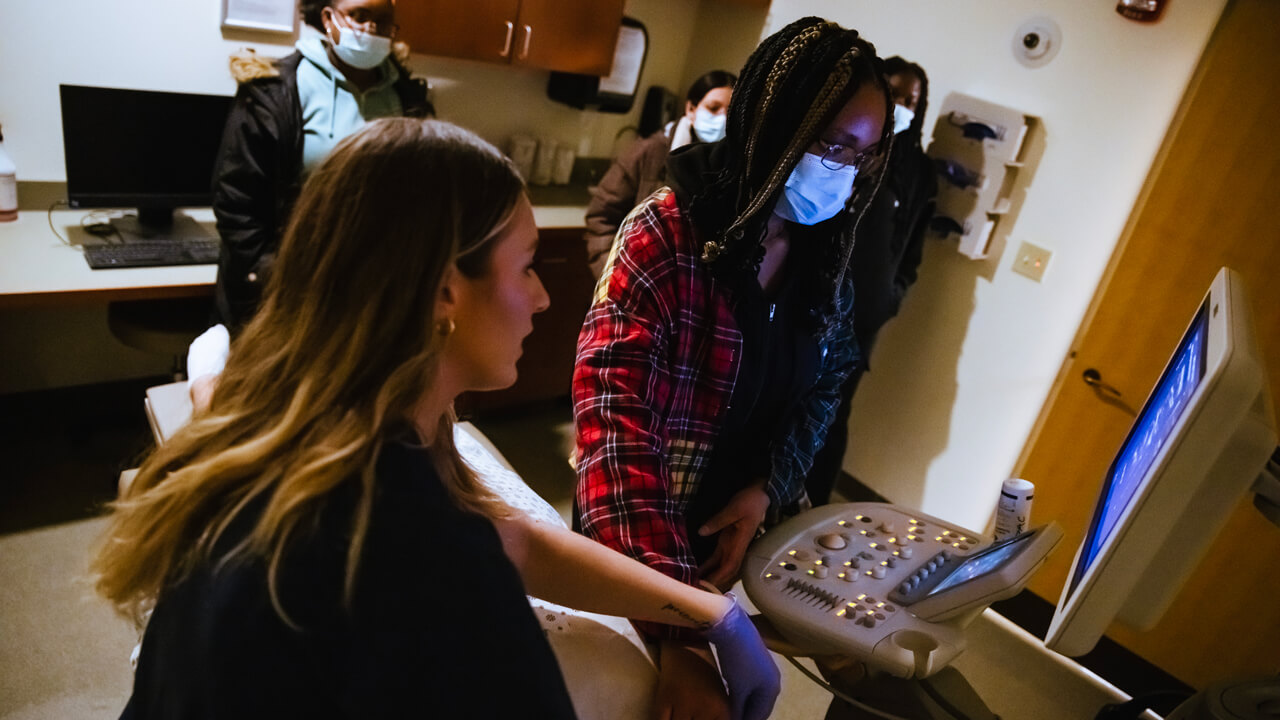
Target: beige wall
(959,377)
(726,34)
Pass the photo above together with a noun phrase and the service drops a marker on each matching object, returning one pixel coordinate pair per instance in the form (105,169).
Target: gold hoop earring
(446,327)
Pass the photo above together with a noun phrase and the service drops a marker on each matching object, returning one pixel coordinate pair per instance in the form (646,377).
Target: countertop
(559,206)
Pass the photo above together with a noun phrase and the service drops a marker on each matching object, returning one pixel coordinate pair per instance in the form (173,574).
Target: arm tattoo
(699,624)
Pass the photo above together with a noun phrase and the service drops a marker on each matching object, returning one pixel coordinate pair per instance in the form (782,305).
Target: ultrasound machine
(896,589)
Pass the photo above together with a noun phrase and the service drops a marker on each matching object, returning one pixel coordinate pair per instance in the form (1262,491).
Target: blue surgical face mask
(708,125)
(361,50)
(815,192)
(902,117)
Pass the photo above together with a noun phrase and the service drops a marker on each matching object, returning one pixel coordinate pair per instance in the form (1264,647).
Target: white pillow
(608,669)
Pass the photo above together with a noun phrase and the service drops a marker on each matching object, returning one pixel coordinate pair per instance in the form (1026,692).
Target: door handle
(506,46)
(528,35)
(1105,392)
(1093,379)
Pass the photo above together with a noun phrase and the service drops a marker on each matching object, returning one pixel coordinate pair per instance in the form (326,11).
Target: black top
(258,176)
(890,242)
(439,626)
(779,364)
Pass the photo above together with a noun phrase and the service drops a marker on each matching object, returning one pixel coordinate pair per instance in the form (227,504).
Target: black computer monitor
(154,151)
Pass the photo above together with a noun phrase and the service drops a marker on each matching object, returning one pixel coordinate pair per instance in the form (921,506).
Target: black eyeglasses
(836,156)
(362,23)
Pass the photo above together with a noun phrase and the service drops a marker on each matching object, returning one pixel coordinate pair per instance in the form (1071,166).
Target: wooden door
(576,36)
(472,30)
(1212,199)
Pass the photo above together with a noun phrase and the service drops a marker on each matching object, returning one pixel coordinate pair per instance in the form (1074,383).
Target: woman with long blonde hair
(312,545)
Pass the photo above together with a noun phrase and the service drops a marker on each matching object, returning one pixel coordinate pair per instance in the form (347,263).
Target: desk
(53,329)
(39,270)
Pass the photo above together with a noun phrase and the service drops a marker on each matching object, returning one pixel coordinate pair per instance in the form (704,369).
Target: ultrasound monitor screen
(981,564)
(1146,439)
(142,148)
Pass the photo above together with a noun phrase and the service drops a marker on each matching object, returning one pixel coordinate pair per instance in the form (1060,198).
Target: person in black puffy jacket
(287,114)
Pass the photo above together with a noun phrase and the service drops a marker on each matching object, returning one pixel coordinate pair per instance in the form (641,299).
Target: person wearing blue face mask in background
(642,168)
(888,252)
(288,114)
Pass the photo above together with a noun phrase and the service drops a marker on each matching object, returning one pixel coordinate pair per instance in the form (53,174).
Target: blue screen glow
(1146,438)
(977,565)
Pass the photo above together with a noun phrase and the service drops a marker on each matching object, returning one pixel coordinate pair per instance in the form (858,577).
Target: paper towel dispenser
(615,93)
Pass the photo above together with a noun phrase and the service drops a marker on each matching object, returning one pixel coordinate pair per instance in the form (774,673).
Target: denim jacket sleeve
(792,456)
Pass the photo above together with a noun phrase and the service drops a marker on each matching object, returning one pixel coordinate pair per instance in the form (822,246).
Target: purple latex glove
(745,664)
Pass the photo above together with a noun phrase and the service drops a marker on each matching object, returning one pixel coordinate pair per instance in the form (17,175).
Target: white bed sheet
(608,669)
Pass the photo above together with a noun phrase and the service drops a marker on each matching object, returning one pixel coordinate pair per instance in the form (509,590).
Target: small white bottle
(1013,510)
(8,185)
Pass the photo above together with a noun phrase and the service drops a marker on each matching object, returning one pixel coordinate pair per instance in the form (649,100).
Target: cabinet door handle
(506,46)
(528,35)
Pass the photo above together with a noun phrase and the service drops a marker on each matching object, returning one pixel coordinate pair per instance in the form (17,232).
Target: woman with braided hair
(710,364)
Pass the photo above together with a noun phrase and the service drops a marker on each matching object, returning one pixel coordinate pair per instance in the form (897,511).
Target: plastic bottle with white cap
(1013,510)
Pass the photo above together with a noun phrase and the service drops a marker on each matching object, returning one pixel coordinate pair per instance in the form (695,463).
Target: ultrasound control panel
(889,586)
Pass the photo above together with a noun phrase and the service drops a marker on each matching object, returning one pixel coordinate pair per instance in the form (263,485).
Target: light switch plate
(1031,260)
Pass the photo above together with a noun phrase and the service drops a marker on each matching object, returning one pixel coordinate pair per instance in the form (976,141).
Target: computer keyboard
(149,254)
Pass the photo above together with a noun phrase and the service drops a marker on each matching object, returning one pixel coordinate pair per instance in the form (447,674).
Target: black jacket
(258,174)
(890,243)
(438,624)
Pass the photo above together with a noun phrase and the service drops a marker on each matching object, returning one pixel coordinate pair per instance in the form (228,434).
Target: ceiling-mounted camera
(1036,41)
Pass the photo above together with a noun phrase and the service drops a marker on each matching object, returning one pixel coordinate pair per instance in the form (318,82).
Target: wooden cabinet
(546,367)
(576,36)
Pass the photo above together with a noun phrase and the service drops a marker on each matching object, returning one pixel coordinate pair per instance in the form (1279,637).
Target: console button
(878,572)
(832,541)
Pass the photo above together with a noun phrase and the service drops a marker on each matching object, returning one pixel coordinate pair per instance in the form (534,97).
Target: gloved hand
(745,663)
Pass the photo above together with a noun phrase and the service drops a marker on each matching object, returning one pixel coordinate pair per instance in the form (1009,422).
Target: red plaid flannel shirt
(657,358)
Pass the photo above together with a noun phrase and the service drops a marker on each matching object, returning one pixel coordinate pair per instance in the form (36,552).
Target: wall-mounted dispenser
(616,92)
(978,150)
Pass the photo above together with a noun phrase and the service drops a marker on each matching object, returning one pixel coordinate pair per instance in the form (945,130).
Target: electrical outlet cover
(1031,260)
